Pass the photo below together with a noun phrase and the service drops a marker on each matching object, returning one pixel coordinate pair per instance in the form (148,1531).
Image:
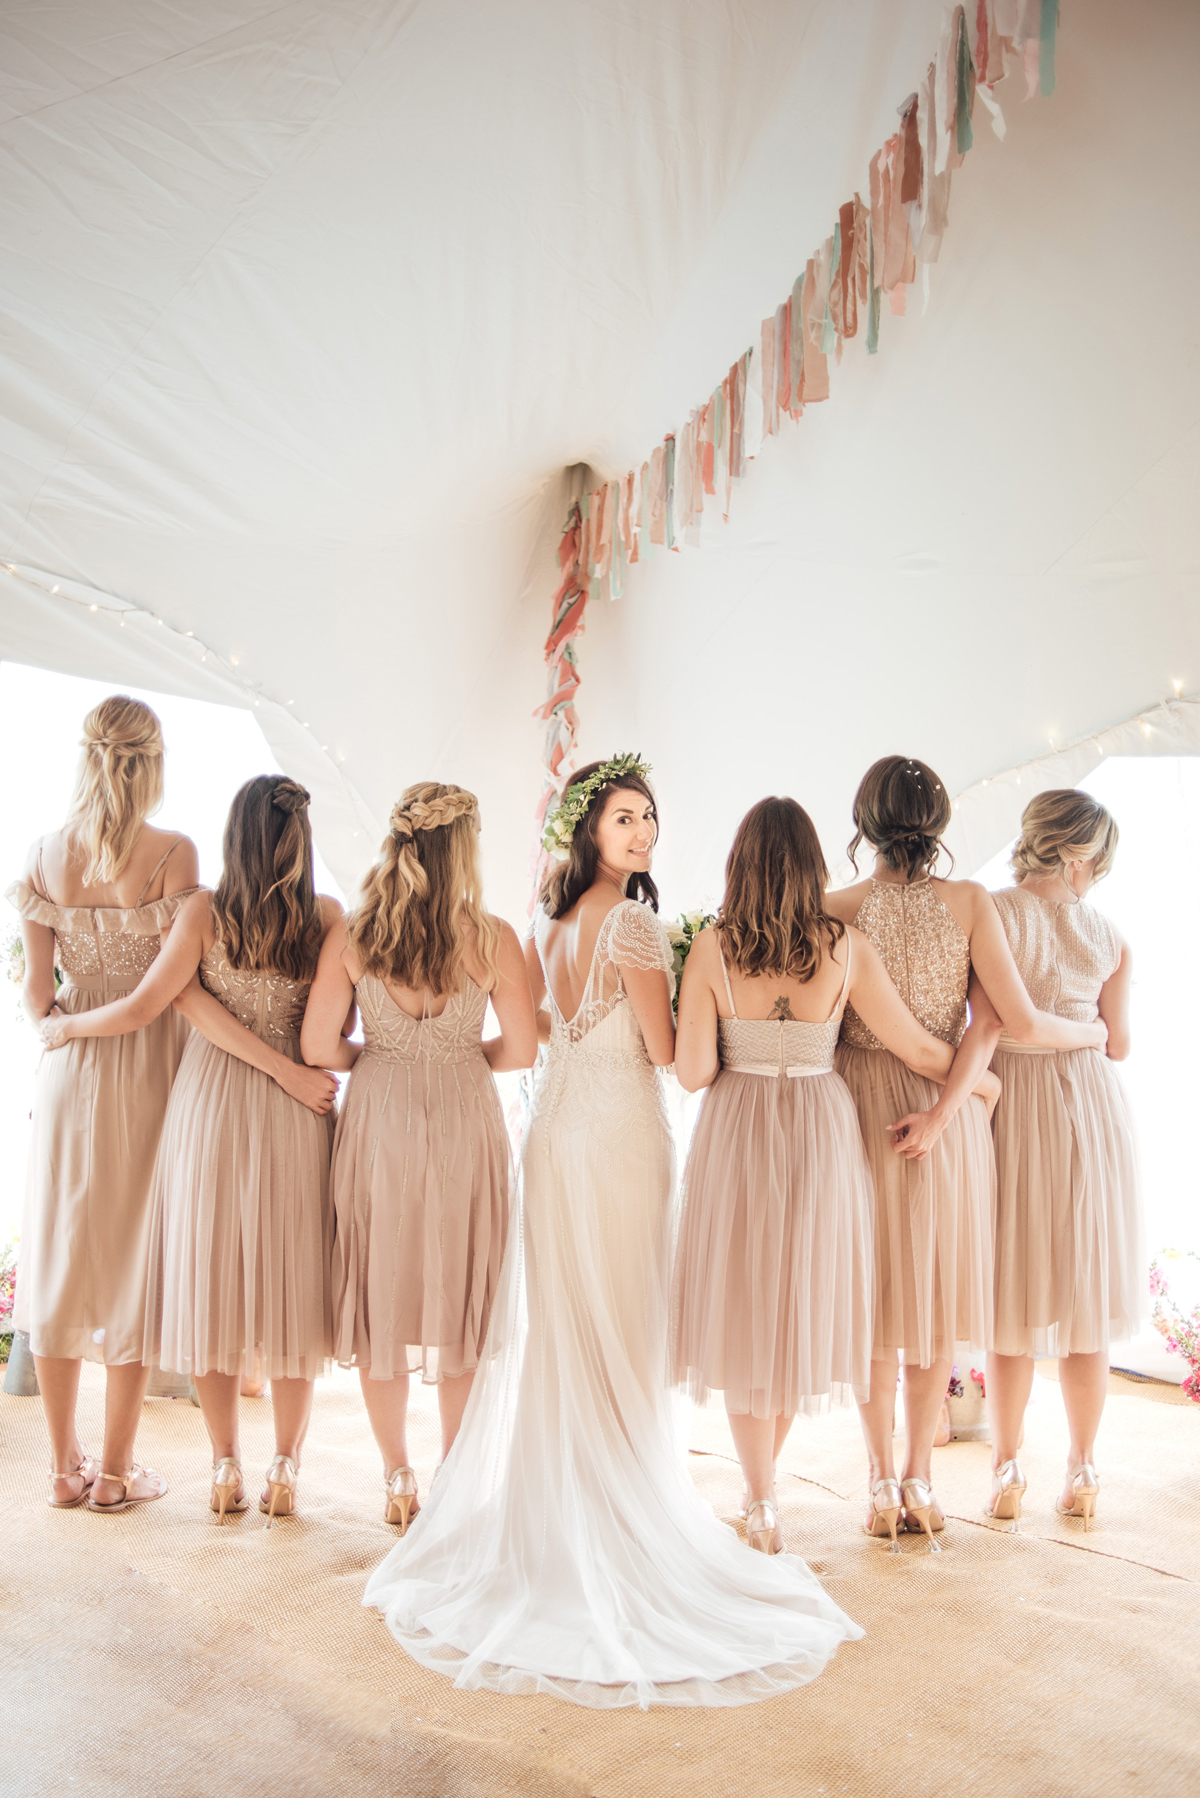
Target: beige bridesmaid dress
(98,1110)
(934,1217)
(1070,1256)
(421,1184)
(241,1223)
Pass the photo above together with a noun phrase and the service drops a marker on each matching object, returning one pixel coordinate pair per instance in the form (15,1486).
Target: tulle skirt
(421,1180)
(1070,1257)
(240,1242)
(934,1218)
(772,1283)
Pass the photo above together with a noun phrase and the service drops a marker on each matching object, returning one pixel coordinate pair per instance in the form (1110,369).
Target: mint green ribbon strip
(876,295)
(1049,37)
(670,484)
(964,136)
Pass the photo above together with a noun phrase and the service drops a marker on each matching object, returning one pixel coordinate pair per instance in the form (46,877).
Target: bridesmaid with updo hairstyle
(94,899)
(240,1231)
(421,1163)
(931,1154)
(1070,1256)
(772,1298)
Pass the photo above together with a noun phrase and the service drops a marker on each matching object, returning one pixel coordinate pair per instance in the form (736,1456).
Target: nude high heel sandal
(885,1509)
(281,1480)
(1085,1485)
(226,1481)
(86,1472)
(920,1503)
(399,1496)
(762,1527)
(1006,1504)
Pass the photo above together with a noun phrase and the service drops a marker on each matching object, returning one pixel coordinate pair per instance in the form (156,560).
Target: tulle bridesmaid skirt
(933,1218)
(772,1284)
(1070,1259)
(241,1225)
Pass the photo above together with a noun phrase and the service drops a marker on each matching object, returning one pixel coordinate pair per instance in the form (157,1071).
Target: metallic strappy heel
(762,1525)
(226,1479)
(920,1503)
(87,1471)
(400,1494)
(1085,1485)
(1006,1505)
(885,1509)
(281,1479)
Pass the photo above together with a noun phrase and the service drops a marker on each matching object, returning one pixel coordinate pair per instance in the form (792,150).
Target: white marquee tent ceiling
(308,308)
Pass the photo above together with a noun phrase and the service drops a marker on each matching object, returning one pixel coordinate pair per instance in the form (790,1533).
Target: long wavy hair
(422,901)
(118,785)
(266,908)
(772,919)
(566,883)
(1064,825)
(901,809)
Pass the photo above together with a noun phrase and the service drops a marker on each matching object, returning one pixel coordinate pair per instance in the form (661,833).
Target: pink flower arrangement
(8,1285)
(1179,1329)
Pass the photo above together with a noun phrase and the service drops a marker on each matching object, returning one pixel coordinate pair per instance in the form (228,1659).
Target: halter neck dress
(421,1185)
(933,1218)
(771,1298)
(1070,1250)
(98,1110)
(241,1225)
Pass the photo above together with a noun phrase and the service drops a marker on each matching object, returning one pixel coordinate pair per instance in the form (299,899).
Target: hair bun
(290,796)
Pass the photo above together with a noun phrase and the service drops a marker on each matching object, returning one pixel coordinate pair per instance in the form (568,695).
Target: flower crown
(572,807)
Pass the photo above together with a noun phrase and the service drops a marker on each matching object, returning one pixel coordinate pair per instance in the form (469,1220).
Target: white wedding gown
(563,1547)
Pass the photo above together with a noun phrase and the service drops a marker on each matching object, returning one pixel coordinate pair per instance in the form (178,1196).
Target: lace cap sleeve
(637,939)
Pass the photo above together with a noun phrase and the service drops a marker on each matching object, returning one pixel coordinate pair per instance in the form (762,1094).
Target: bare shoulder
(845,903)
(182,867)
(195,913)
(331,910)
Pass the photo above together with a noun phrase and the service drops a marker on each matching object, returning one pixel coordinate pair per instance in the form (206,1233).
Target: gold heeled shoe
(126,1481)
(885,1509)
(281,1481)
(762,1527)
(399,1497)
(920,1503)
(1006,1500)
(87,1471)
(1085,1485)
(226,1481)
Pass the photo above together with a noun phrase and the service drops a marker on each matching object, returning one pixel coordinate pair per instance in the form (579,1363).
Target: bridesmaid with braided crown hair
(930,1152)
(240,1229)
(421,1175)
(94,898)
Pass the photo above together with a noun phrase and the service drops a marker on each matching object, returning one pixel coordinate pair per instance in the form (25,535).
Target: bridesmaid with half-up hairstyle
(95,898)
(421,1163)
(240,1232)
(930,1152)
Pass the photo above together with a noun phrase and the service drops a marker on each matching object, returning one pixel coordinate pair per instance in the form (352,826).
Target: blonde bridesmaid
(94,899)
(773,1280)
(239,1262)
(1070,1255)
(930,1153)
(421,1164)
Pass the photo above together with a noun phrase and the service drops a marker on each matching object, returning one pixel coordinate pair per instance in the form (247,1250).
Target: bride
(564,1548)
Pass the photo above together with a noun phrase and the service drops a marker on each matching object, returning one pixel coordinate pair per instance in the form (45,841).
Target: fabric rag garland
(872,254)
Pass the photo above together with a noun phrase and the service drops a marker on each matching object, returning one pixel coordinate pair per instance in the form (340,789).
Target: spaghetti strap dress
(421,1191)
(98,1109)
(240,1220)
(771,1299)
(934,1217)
(1070,1250)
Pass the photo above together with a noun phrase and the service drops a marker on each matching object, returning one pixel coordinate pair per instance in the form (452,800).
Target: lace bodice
(926,952)
(269,1004)
(630,936)
(1064,953)
(98,947)
(392,1035)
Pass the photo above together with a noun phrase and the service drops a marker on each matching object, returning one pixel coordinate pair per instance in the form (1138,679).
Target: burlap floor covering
(153,1653)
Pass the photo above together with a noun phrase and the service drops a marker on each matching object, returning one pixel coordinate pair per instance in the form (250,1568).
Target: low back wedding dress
(563,1548)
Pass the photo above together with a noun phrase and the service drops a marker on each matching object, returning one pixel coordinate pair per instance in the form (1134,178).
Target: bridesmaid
(934,1199)
(421,1166)
(772,1300)
(239,1262)
(94,898)
(1070,1260)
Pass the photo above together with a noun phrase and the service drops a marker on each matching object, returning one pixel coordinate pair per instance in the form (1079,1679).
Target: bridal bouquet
(681,934)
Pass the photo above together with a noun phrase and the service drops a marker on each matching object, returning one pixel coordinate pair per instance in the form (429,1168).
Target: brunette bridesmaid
(94,899)
(421,1164)
(772,1288)
(239,1262)
(935,1183)
(1070,1256)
